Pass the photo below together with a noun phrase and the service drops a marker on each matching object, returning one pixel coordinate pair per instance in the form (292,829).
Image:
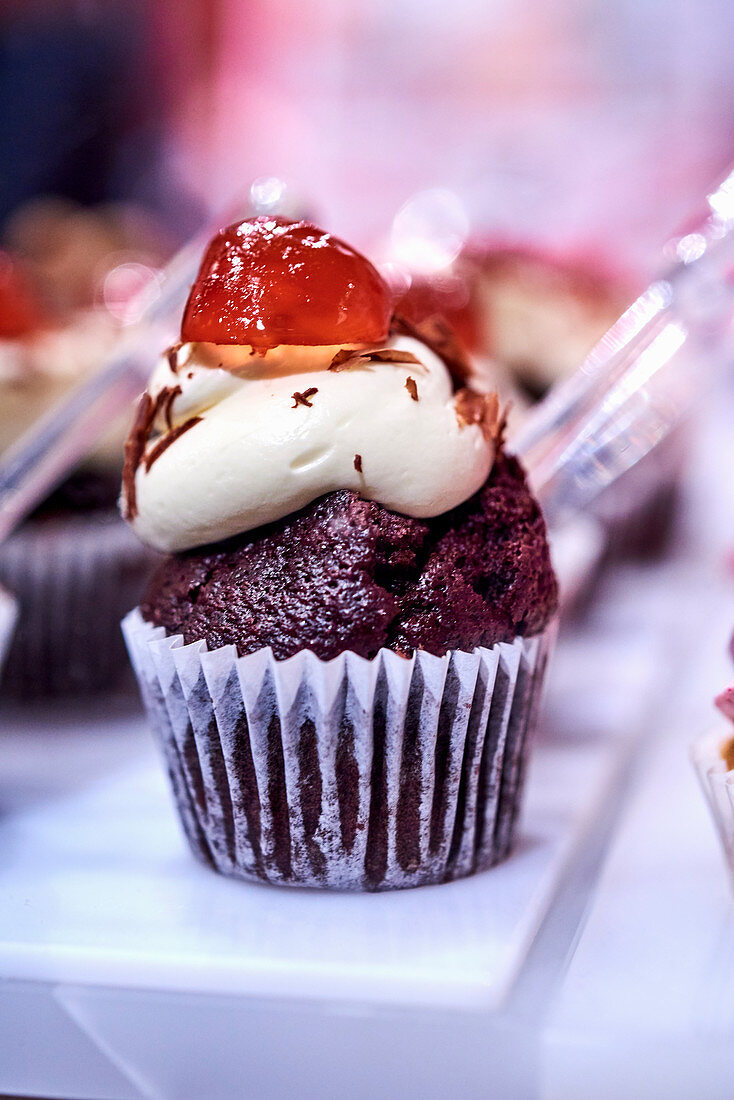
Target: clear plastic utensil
(643,375)
(52,447)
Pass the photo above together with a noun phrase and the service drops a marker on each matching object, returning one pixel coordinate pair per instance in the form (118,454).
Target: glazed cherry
(267,281)
(20,314)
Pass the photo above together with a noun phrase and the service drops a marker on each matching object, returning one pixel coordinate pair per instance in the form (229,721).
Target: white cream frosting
(254,457)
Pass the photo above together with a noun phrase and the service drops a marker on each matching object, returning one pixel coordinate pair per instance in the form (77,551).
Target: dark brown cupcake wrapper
(73,578)
(346,774)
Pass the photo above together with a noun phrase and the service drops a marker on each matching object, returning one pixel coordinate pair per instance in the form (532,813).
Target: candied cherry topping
(267,281)
(20,313)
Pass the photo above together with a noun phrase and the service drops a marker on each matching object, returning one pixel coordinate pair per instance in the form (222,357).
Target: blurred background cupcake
(64,296)
(79,241)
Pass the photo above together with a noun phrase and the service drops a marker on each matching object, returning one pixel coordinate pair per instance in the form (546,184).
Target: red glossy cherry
(267,281)
(20,313)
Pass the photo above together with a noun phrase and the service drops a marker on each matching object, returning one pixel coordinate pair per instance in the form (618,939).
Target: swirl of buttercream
(235,440)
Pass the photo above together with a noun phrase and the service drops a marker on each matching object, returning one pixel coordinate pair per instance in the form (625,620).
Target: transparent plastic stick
(644,374)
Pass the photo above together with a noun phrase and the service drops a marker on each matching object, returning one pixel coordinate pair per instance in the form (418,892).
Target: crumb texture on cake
(348,574)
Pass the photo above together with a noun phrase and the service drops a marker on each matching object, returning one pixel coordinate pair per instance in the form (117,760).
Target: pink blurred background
(581,123)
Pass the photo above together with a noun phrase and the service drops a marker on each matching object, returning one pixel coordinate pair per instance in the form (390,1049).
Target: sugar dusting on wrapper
(348,774)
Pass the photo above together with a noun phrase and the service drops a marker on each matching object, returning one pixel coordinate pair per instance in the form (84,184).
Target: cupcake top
(294,379)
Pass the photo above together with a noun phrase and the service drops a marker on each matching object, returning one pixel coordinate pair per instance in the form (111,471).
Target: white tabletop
(597,961)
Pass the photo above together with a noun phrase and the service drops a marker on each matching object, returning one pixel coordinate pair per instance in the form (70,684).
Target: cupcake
(73,566)
(713,759)
(343,651)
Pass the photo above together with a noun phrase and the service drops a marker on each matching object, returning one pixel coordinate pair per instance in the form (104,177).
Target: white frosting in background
(254,458)
(39,371)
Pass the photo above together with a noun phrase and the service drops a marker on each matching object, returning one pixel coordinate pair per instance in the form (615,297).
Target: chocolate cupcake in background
(74,570)
(343,652)
(72,566)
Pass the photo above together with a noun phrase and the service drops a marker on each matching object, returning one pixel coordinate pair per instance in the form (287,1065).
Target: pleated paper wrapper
(73,578)
(717,783)
(348,774)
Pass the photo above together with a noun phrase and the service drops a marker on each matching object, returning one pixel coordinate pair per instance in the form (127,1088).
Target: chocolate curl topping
(171,396)
(440,338)
(172,357)
(135,445)
(146,414)
(170,437)
(391,355)
(303,398)
(347,357)
(341,359)
(482,409)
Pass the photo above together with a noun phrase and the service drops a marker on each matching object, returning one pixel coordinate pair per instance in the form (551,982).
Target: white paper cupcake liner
(717,784)
(73,579)
(348,774)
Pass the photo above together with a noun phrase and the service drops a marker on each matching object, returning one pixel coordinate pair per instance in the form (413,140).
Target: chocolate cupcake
(73,566)
(342,654)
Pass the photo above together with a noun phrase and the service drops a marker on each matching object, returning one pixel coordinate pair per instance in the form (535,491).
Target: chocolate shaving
(135,445)
(136,442)
(165,441)
(303,398)
(391,355)
(172,356)
(411,387)
(482,409)
(341,358)
(170,397)
(381,355)
(438,335)
(358,463)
